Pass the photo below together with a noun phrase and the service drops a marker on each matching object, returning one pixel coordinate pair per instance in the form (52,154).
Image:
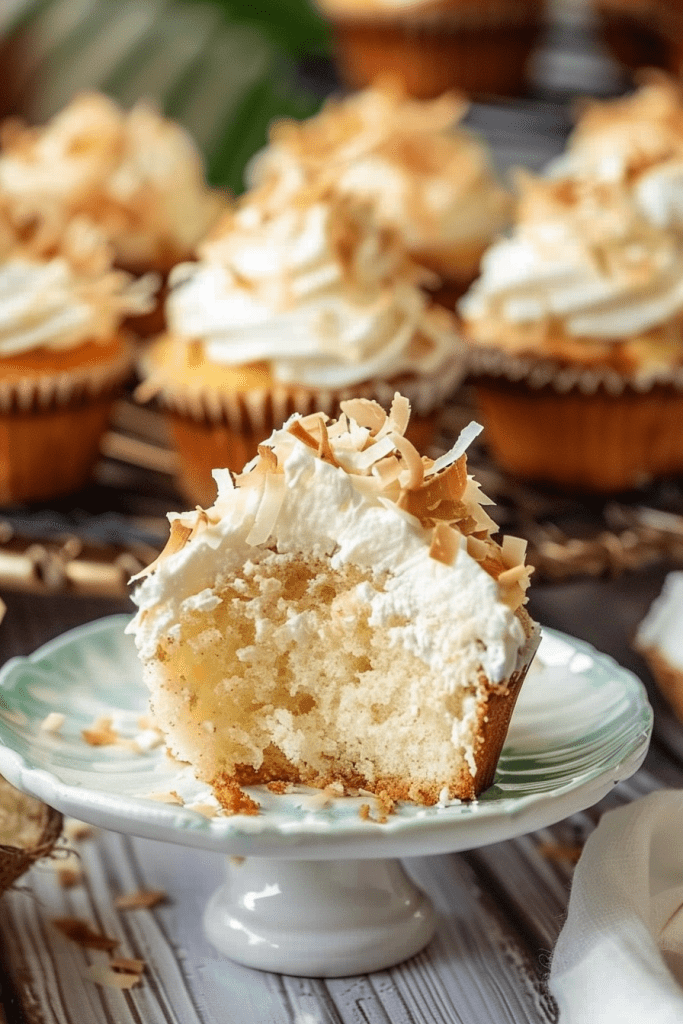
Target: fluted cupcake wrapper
(44,390)
(481,48)
(51,425)
(585,428)
(215,428)
(538,372)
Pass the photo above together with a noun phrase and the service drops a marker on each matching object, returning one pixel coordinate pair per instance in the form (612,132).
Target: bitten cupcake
(341,615)
(431,181)
(481,46)
(137,175)
(574,333)
(63,357)
(293,311)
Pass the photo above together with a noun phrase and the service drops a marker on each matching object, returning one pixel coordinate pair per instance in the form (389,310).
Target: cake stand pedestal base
(318,918)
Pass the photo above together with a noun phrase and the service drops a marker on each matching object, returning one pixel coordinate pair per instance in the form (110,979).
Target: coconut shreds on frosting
(136,173)
(584,277)
(369,446)
(628,138)
(58,292)
(319,290)
(430,180)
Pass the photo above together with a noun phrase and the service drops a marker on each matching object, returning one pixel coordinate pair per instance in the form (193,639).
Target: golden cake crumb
(232,797)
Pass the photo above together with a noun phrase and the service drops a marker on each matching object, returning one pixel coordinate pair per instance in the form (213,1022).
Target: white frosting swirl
(582,256)
(318,291)
(138,175)
(52,305)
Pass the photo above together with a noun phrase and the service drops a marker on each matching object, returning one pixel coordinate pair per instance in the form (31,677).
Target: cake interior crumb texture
(282,677)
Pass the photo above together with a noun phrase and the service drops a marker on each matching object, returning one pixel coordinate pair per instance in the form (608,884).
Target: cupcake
(340,615)
(293,309)
(429,180)
(137,175)
(574,339)
(433,45)
(63,356)
(660,640)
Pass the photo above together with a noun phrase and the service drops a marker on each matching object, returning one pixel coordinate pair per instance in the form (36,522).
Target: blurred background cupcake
(427,178)
(480,46)
(575,333)
(63,356)
(135,174)
(294,309)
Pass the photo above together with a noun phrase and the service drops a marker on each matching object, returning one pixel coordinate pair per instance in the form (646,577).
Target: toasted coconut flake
(143,899)
(225,480)
(513,550)
(366,412)
(371,486)
(445,544)
(465,438)
(477,549)
(509,577)
(162,797)
(268,510)
(109,978)
(206,810)
(312,421)
(388,503)
(80,932)
(411,477)
(53,722)
(299,431)
(127,965)
(100,733)
(387,470)
(325,448)
(362,461)
(178,538)
(399,413)
(268,459)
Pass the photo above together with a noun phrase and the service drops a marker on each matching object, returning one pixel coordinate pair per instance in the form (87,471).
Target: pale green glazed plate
(582,723)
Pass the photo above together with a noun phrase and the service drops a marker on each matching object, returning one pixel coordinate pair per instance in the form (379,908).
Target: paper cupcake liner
(537,372)
(261,409)
(593,442)
(214,428)
(498,711)
(481,51)
(42,391)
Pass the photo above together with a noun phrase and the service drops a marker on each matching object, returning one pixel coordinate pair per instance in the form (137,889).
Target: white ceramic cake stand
(313,889)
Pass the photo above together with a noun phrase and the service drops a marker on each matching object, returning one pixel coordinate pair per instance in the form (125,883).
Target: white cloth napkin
(625,920)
